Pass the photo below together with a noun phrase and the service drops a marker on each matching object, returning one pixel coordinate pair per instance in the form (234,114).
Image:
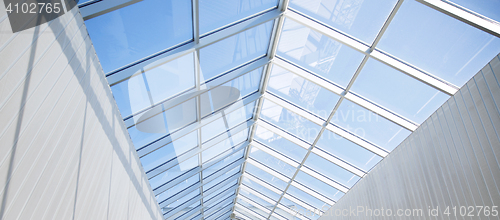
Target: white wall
(64,150)
(451,160)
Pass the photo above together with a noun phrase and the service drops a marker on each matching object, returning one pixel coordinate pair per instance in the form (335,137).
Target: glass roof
(274,109)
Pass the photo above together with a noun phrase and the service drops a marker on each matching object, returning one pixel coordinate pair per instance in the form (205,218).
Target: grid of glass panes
(342,91)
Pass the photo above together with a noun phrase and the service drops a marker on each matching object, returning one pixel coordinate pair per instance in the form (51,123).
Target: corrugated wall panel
(64,150)
(451,160)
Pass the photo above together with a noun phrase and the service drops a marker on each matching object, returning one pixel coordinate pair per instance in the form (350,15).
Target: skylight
(275,109)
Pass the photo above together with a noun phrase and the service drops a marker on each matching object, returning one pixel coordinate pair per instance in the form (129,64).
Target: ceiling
(274,109)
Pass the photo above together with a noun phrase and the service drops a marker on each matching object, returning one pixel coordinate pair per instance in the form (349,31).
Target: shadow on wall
(84,78)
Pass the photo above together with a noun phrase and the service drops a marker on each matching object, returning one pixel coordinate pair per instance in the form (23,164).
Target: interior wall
(64,150)
(451,161)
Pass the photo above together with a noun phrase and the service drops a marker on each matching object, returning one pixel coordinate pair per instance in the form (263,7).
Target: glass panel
(279,144)
(235,50)
(369,125)
(318,186)
(256,199)
(220,202)
(286,214)
(331,170)
(226,161)
(219,213)
(361,19)
(259,188)
(438,43)
(178,188)
(157,122)
(181,201)
(215,14)
(230,142)
(347,151)
(222,177)
(162,79)
(180,213)
(301,92)
(289,121)
(300,210)
(174,172)
(217,192)
(248,214)
(229,92)
(310,200)
(170,151)
(125,35)
(253,208)
(488,8)
(266,177)
(397,91)
(320,54)
(272,162)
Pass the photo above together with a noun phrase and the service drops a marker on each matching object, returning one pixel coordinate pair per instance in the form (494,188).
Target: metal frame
(279,14)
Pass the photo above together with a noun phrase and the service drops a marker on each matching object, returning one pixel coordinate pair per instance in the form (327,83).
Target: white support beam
(273,45)
(474,19)
(303,204)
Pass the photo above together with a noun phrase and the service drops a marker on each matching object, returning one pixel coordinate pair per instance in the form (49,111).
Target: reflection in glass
(216,14)
(437,43)
(301,92)
(347,151)
(361,19)
(397,91)
(369,125)
(126,35)
(289,121)
(318,53)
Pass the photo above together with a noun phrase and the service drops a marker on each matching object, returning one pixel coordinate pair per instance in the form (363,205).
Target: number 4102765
(471,211)
(34,8)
